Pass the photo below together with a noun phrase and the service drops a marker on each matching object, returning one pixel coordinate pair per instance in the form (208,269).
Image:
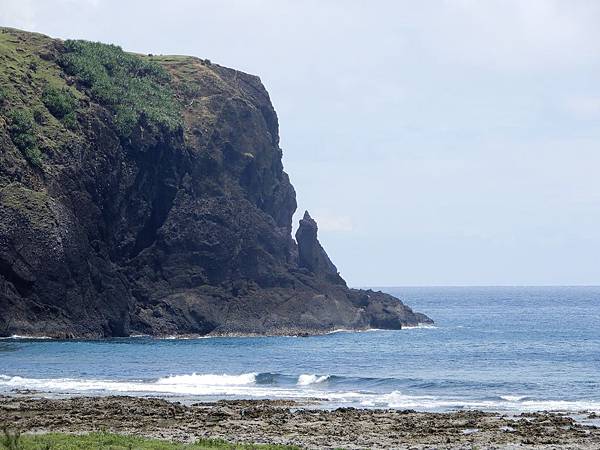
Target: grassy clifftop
(47,85)
(29,78)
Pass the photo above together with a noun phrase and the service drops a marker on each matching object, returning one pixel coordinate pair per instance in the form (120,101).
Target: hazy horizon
(433,286)
(436,143)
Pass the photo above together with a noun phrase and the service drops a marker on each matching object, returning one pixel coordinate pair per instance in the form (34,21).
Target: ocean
(492,348)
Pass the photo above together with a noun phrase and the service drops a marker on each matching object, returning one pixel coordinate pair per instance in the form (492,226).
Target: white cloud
(514,34)
(584,107)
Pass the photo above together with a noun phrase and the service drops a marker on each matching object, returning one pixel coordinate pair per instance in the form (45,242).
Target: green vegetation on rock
(21,130)
(31,206)
(37,107)
(61,103)
(136,90)
(97,441)
(3,95)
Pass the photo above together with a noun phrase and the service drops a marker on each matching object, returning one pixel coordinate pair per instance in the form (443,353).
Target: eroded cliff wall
(146,194)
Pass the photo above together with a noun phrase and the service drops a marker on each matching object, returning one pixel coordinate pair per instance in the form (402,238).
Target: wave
(420,326)
(17,336)
(350,330)
(209,380)
(307,379)
(333,391)
(243,385)
(513,398)
(397,400)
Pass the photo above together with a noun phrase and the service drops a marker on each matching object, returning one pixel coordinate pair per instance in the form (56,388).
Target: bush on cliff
(3,95)
(59,101)
(134,89)
(21,129)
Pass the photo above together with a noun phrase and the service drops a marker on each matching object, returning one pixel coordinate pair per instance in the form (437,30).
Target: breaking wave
(208,380)
(17,336)
(307,379)
(332,390)
(420,326)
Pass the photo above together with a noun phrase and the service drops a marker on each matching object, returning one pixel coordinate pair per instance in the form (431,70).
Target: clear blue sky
(435,142)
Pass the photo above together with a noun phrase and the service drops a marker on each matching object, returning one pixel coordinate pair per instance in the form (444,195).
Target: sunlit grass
(93,441)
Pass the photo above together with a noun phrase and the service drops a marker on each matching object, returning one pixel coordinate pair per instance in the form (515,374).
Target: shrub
(34,156)
(3,95)
(38,116)
(59,101)
(21,129)
(190,90)
(70,121)
(133,88)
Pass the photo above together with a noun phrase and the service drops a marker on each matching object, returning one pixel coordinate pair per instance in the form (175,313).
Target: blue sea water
(492,348)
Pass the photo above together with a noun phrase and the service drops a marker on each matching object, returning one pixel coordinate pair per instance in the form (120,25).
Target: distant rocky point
(146,195)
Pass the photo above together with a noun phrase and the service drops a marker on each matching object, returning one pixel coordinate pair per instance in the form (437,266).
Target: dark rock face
(168,233)
(311,254)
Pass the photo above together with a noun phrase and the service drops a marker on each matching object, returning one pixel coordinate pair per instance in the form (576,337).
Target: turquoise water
(509,349)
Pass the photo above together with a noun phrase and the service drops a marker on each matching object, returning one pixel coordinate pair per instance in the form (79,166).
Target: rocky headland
(144,194)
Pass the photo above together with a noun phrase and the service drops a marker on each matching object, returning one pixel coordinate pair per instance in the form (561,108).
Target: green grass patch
(94,441)
(135,89)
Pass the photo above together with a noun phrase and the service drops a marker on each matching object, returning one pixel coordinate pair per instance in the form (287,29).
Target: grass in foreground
(109,441)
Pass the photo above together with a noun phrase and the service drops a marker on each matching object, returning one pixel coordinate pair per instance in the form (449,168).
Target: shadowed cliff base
(145,194)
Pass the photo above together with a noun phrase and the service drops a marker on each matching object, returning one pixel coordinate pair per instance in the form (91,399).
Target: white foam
(242,386)
(349,330)
(245,386)
(396,399)
(307,379)
(420,326)
(18,336)
(209,380)
(513,398)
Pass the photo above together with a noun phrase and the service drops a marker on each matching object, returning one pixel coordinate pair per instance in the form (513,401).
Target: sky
(435,142)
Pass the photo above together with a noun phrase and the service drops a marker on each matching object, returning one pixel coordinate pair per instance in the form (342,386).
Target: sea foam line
(245,386)
(18,336)
(349,330)
(420,326)
(308,379)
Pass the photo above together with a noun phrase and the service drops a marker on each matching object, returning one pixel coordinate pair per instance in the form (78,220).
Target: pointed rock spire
(311,254)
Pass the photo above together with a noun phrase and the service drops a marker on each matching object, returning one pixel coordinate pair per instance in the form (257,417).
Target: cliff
(145,194)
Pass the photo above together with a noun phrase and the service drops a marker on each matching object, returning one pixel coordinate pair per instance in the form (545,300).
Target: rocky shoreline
(289,422)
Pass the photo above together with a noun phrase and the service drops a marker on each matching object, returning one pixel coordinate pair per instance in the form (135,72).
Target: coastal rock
(160,231)
(311,254)
(286,422)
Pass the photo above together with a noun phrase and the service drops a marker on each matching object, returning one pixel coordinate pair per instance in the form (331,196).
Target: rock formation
(162,213)
(311,255)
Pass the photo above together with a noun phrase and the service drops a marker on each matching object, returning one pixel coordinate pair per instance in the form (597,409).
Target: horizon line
(470,286)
